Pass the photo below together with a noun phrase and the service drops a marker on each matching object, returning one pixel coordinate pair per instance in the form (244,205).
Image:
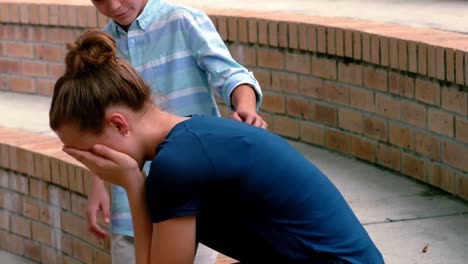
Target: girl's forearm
(142,224)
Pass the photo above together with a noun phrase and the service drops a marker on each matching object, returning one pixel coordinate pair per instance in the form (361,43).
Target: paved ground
(401,215)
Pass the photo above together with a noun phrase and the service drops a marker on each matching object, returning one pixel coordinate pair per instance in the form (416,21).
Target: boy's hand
(251,118)
(98,203)
(109,165)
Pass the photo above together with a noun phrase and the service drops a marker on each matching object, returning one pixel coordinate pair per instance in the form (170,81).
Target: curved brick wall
(389,95)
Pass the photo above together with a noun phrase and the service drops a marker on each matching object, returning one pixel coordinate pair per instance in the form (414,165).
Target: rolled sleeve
(224,74)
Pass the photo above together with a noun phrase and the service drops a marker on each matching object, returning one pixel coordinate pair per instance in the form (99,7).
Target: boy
(179,53)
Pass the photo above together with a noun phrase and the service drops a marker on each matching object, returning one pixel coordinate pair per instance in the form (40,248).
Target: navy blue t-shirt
(255,198)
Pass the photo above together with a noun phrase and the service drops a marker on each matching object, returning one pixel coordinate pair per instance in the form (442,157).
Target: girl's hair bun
(92,49)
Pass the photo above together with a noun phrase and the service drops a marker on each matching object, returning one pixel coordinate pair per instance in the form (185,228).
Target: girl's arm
(120,169)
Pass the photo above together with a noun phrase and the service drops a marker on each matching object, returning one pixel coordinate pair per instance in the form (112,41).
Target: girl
(236,188)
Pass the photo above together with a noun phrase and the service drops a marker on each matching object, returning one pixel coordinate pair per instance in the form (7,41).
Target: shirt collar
(143,21)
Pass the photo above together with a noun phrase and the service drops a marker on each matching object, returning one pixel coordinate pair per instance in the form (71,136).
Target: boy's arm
(228,78)
(174,241)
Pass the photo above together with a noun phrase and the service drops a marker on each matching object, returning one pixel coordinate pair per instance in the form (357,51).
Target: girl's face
(112,136)
(123,12)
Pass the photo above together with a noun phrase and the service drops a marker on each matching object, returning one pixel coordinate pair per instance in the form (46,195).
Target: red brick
(38,189)
(361,99)
(350,120)
(402,55)
(321,39)
(34,13)
(312,38)
(375,128)
(43,14)
(431,61)
(441,177)
(413,166)
(48,52)
(455,155)
(4,219)
(340,42)
(312,133)
(270,58)
(78,205)
(459,74)
(366,47)
(413,113)
(10,66)
(384,52)
(232,28)
(41,233)
(440,63)
(427,145)
(82,251)
(32,250)
(375,49)
(92,17)
(243,30)
(427,92)
(323,67)
(14,11)
(303,38)
(222,28)
(103,257)
(350,42)
(24,13)
(285,126)
(51,256)
(273,33)
(310,86)
(389,157)
(262,31)
(4,14)
(363,149)
(20,225)
(326,115)
(21,50)
(455,100)
(50,215)
(461,128)
(45,87)
(298,62)
(337,141)
(375,78)
(19,183)
(283,34)
(450,65)
(400,136)
(462,185)
(331,41)
(284,82)
(466,69)
(299,107)
(350,73)
(401,85)
(336,93)
(273,103)
(393,51)
(387,106)
(12,243)
(75,180)
(440,122)
(263,77)
(422,59)
(56,70)
(30,208)
(412,57)
(33,68)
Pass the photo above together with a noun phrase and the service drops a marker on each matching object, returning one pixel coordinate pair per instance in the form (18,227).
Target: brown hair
(95,78)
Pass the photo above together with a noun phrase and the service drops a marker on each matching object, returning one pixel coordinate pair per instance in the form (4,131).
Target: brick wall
(42,202)
(389,95)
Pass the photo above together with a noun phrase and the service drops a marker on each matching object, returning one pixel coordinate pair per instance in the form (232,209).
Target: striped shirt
(179,53)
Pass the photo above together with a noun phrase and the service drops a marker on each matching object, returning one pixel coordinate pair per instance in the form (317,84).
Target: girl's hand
(109,165)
